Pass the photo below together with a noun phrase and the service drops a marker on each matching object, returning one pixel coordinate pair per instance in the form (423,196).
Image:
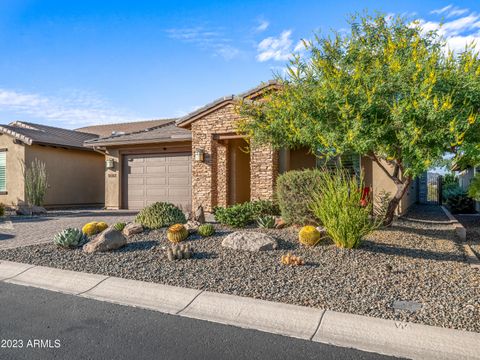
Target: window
(3,171)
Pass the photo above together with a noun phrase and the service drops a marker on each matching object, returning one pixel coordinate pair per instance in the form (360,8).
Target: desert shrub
(294,195)
(36,182)
(474,188)
(338,207)
(119,226)
(205,230)
(380,204)
(70,238)
(266,221)
(461,204)
(236,216)
(160,214)
(263,208)
(240,215)
(451,189)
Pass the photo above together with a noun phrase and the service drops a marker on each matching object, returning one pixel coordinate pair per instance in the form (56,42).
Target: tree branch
(394,178)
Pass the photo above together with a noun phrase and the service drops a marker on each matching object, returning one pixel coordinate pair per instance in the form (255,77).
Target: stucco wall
(113,177)
(75,177)
(14,174)
(381,182)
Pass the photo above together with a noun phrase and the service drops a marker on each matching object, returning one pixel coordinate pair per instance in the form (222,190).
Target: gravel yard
(472,224)
(414,260)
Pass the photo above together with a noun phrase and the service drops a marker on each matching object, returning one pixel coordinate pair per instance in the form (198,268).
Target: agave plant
(70,238)
(266,221)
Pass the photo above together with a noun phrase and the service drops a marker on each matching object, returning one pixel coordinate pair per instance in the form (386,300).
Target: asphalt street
(39,324)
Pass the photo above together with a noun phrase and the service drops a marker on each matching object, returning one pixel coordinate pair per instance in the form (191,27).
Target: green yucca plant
(338,206)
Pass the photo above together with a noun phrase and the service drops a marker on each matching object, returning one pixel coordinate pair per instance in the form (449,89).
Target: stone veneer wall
(210,178)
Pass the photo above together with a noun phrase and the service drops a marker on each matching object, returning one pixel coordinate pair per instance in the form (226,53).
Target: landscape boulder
(132,229)
(110,239)
(30,210)
(192,226)
(199,215)
(249,241)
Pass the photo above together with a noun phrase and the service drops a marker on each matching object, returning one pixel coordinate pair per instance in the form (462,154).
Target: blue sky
(76,63)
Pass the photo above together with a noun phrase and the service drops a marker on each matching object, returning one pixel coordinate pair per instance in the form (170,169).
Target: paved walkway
(19,231)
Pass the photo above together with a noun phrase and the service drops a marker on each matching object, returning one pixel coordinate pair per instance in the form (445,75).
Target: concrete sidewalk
(364,333)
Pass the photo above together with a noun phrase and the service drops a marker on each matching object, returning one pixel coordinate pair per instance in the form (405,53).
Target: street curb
(460,230)
(383,336)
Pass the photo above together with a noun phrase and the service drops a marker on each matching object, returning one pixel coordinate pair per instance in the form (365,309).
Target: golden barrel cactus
(309,235)
(90,229)
(101,226)
(177,233)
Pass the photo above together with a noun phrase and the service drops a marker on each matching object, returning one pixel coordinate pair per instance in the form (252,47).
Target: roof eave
(22,138)
(94,144)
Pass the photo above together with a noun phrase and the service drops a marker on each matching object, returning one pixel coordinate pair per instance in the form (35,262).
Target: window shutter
(3,171)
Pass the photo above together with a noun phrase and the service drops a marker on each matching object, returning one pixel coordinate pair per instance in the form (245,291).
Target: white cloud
(457,32)
(75,109)
(262,26)
(449,11)
(206,39)
(275,48)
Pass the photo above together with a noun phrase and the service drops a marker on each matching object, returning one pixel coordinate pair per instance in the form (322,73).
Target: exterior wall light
(199,155)
(109,163)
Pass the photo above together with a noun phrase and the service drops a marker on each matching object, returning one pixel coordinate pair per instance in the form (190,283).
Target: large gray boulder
(249,241)
(110,239)
(132,229)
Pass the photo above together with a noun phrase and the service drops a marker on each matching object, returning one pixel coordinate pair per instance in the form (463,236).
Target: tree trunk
(393,204)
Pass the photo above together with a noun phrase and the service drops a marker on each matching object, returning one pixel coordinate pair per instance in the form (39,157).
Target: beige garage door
(157,177)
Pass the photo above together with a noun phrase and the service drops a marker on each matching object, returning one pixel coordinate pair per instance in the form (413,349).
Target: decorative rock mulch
(409,262)
(472,225)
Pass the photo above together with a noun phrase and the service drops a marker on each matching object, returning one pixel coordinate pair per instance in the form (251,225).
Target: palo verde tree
(386,90)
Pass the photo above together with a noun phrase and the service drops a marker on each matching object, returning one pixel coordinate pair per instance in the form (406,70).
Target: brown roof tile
(110,129)
(163,133)
(30,133)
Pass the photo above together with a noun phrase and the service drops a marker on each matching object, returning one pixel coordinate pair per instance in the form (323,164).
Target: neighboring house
(201,160)
(75,173)
(465,176)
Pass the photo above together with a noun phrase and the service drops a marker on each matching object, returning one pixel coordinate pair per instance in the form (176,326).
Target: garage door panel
(162,177)
(185,180)
(156,180)
(156,169)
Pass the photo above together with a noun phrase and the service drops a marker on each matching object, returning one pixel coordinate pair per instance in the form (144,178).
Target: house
(75,173)
(200,159)
(465,176)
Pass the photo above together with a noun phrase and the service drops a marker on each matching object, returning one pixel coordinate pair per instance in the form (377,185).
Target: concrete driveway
(18,231)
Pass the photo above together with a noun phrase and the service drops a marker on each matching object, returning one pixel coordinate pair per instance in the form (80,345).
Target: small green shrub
(451,189)
(263,208)
(474,188)
(236,216)
(205,230)
(36,182)
(294,195)
(119,226)
(337,207)
(461,204)
(267,221)
(160,214)
(70,238)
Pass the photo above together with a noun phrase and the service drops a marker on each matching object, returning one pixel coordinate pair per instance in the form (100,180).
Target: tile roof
(30,133)
(109,129)
(247,94)
(167,132)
